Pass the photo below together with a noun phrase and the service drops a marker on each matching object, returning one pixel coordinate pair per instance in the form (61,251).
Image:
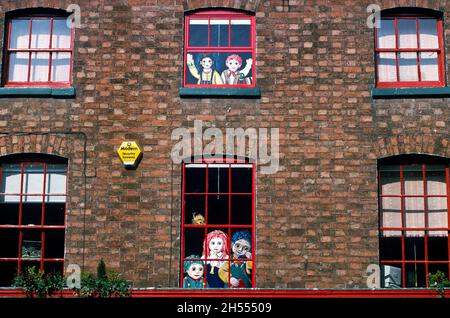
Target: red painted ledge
(260,293)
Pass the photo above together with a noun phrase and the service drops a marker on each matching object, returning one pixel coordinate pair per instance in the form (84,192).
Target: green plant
(439,282)
(103,285)
(36,282)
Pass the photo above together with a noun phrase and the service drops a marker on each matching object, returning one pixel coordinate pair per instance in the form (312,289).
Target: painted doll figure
(208,74)
(241,271)
(215,248)
(232,75)
(194,273)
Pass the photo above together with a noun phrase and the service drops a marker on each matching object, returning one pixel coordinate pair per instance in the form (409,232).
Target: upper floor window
(414,194)
(39,50)
(33,195)
(409,50)
(219,49)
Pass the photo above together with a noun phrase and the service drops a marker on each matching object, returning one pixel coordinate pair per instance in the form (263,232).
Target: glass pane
(240,33)
(415,217)
(31,244)
(413,180)
(198,33)
(218,178)
(54,267)
(40,34)
(194,273)
(32,210)
(437,213)
(217,251)
(19,34)
(56,179)
(407,34)
(54,244)
(219,68)
(11,176)
(241,179)
(392,276)
(437,247)
(195,179)
(414,248)
(193,242)
(391,212)
(429,70)
(241,271)
(33,182)
(386,67)
(386,34)
(9,239)
(436,180)
(390,180)
(60,67)
(218,209)
(390,248)
(18,67)
(219,33)
(415,275)
(428,35)
(54,213)
(61,34)
(28,264)
(39,66)
(194,209)
(8,270)
(434,268)
(241,209)
(407,66)
(9,212)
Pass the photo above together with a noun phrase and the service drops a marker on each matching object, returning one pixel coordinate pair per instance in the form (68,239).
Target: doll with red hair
(215,247)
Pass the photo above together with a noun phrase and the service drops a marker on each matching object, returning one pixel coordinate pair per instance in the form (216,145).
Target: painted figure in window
(216,250)
(241,271)
(208,74)
(198,218)
(193,270)
(232,75)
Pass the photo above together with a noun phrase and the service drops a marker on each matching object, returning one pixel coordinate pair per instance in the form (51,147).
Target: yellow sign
(130,154)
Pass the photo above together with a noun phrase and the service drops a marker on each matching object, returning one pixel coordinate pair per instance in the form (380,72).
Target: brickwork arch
(250,5)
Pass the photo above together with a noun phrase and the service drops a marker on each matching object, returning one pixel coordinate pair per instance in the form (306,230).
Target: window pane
(436,180)
(8,270)
(60,67)
(390,180)
(413,180)
(241,271)
(434,268)
(31,244)
(390,248)
(415,217)
(194,207)
(219,33)
(386,67)
(218,178)
(241,209)
(54,267)
(414,248)
(61,34)
(415,275)
(392,276)
(9,239)
(391,212)
(407,34)
(54,244)
(18,66)
(428,35)
(241,179)
(11,176)
(32,210)
(386,34)
(218,209)
(40,34)
(39,66)
(198,32)
(56,179)
(193,242)
(9,212)
(54,213)
(407,65)
(19,34)
(33,182)
(437,214)
(217,251)
(195,178)
(429,70)
(240,33)
(437,247)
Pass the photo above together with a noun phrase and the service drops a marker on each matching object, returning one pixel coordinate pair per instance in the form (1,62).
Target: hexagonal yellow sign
(130,154)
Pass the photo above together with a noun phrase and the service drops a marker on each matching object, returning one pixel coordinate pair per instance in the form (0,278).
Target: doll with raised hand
(233,74)
(193,270)
(207,75)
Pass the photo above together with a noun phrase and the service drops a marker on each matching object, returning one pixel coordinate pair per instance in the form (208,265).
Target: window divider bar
(402,205)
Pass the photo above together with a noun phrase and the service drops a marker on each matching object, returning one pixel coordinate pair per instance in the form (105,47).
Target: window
(414,219)
(409,51)
(218,217)
(32,216)
(219,49)
(38,51)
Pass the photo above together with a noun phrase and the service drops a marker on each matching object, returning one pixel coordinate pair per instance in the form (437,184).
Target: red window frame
(229,227)
(42,227)
(30,51)
(397,50)
(220,14)
(424,163)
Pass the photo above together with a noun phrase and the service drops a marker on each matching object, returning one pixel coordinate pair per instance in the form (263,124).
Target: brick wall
(317,217)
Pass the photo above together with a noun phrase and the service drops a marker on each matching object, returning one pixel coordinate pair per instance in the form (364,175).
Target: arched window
(38,48)
(409,48)
(218,224)
(219,49)
(414,192)
(32,214)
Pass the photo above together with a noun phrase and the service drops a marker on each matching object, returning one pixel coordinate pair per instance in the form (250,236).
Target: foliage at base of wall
(38,283)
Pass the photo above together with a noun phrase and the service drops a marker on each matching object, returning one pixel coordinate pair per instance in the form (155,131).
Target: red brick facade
(317,218)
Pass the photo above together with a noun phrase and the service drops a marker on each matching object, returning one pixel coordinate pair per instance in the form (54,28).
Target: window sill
(68,92)
(220,92)
(424,92)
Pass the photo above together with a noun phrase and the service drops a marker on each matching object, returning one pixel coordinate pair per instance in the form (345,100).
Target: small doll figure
(241,271)
(215,247)
(208,75)
(194,273)
(232,75)
(198,218)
